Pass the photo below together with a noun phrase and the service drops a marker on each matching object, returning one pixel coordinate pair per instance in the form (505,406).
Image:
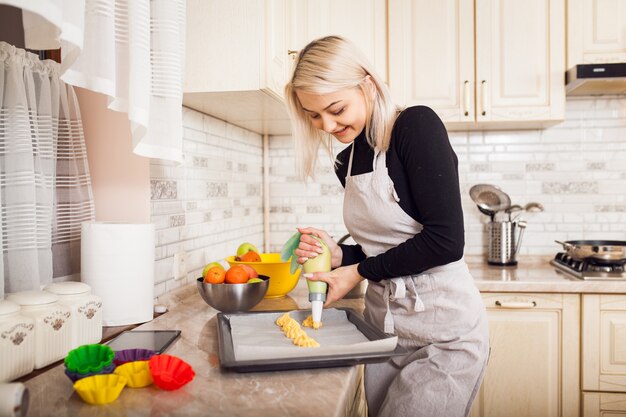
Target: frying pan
(603,250)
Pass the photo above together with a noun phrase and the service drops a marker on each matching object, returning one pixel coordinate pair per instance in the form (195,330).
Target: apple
(209,266)
(253,280)
(246,247)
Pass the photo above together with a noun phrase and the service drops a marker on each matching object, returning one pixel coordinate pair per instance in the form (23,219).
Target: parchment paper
(257,336)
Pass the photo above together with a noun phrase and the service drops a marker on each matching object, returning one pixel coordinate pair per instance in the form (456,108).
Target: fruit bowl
(281,280)
(233,298)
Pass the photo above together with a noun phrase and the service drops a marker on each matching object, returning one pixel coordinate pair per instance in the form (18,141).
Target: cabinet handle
(466,98)
(483,97)
(516,304)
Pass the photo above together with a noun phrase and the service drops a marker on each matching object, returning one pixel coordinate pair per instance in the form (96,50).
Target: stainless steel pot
(603,250)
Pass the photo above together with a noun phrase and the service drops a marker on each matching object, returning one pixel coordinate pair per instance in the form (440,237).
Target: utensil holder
(502,244)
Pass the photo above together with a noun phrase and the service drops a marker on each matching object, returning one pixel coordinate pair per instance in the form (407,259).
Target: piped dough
(308,322)
(292,330)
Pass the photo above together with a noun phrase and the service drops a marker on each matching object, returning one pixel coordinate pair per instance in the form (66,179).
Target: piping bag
(321,263)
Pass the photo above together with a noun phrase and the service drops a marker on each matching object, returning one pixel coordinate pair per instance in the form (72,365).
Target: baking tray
(228,360)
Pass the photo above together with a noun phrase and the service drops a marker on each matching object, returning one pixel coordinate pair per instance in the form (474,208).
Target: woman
(402,206)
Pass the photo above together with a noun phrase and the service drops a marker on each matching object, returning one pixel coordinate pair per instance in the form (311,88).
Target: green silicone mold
(89,358)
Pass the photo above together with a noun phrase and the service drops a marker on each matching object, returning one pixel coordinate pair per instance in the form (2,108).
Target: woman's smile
(341,131)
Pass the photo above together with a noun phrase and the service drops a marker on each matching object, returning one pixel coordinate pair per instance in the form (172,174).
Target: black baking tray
(228,361)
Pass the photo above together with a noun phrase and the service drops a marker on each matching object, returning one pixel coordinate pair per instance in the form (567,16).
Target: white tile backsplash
(214,201)
(211,203)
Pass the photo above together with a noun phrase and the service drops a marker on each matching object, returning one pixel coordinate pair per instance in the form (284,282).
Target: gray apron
(438,315)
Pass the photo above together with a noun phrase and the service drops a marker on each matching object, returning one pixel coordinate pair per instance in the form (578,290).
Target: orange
(249,256)
(215,275)
(236,275)
(250,270)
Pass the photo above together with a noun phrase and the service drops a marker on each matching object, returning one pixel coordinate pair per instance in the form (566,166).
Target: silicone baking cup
(132,355)
(170,372)
(75,376)
(100,389)
(136,373)
(89,358)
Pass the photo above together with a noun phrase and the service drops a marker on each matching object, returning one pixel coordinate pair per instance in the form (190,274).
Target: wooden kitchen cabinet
(363,22)
(237,62)
(596,31)
(604,342)
(533,368)
(480,63)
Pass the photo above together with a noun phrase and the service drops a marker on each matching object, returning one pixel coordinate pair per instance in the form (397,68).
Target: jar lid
(68,288)
(33,298)
(8,307)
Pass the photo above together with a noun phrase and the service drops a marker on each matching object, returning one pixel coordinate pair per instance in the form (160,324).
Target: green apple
(253,280)
(209,266)
(246,247)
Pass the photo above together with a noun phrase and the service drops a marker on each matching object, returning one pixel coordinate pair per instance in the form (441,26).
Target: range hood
(596,79)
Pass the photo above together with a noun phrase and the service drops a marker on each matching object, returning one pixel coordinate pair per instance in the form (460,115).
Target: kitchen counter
(312,392)
(326,392)
(536,275)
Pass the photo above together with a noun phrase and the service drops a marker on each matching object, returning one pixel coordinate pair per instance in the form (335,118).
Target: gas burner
(589,269)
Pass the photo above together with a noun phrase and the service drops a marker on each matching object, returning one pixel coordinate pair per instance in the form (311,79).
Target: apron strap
(419,304)
(396,288)
(349,174)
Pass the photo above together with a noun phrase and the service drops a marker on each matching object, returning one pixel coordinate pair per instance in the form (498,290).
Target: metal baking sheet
(228,357)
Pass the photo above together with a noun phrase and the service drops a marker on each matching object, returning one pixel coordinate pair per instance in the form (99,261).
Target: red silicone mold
(170,372)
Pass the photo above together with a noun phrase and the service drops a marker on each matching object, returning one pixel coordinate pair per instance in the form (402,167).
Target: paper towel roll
(117,261)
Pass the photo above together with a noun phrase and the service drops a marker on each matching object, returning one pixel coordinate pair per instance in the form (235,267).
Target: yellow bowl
(137,373)
(281,281)
(100,389)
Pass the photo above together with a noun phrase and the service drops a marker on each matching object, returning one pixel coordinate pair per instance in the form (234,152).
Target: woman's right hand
(309,247)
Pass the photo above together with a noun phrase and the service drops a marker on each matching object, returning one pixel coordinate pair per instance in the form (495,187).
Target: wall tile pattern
(209,204)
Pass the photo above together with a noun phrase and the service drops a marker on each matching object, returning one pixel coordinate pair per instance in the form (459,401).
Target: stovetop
(588,270)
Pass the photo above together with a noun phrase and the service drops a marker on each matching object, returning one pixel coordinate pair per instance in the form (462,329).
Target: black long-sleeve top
(424,171)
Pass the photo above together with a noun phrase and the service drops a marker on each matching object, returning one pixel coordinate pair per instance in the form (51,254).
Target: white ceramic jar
(17,342)
(86,311)
(53,326)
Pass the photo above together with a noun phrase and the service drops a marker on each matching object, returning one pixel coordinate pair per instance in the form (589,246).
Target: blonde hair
(324,66)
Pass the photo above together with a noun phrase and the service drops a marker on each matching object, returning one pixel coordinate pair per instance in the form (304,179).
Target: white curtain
(130,50)
(53,24)
(45,188)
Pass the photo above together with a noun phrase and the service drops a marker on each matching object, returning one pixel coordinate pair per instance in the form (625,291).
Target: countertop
(536,275)
(313,392)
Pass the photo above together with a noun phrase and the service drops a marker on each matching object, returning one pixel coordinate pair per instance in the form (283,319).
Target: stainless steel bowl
(233,298)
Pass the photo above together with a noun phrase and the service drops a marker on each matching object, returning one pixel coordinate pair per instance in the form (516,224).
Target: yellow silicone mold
(137,373)
(100,389)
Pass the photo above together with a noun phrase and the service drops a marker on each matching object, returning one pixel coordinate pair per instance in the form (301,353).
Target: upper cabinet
(240,53)
(596,31)
(237,62)
(363,22)
(480,63)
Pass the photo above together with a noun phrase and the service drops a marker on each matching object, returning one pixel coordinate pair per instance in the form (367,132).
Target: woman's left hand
(340,281)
